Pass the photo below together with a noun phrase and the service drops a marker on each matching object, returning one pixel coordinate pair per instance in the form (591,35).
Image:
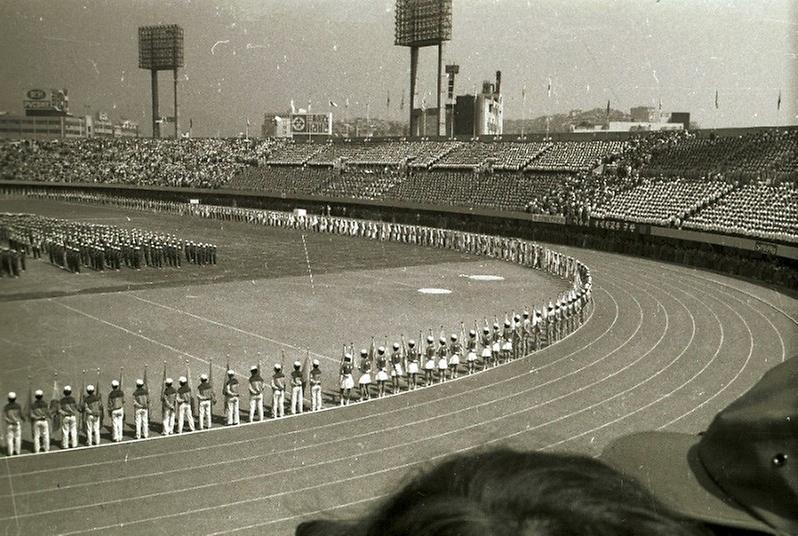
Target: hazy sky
(631,52)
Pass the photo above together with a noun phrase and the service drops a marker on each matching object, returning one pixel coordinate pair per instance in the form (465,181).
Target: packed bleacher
(671,179)
(194,163)
(754,210)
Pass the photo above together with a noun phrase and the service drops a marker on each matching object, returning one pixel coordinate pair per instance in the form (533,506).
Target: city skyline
(246,58)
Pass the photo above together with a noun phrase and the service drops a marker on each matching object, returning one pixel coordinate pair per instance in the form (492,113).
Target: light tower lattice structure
(422,23)
(161,49)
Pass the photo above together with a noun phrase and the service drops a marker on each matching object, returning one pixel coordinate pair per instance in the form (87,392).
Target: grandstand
(678,179)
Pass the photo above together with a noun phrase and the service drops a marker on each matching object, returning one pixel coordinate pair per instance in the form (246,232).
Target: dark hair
(505,492)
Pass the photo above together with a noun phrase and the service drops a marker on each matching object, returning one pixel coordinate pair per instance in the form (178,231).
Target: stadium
(620,282)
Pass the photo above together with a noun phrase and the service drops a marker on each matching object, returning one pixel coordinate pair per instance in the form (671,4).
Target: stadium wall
(757,259)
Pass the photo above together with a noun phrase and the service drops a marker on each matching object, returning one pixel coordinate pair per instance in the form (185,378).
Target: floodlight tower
(161,49)
(421,23)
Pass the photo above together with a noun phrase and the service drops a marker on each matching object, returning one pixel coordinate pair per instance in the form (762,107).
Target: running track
(666,347)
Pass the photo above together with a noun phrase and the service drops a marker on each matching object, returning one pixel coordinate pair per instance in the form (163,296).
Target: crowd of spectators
(768,153)
(667,202)
(577,155)
(755,210)
(673,178)
(196,163)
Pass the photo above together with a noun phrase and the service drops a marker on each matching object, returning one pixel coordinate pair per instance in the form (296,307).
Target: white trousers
(297,399)
(183,414)
(14,438)
(278,403)
(92,430)
(315,398)
(41,436)
(233,416)
(168,421)
(205,413)
(142,423)
(256,404)
(69,431)
(117,420)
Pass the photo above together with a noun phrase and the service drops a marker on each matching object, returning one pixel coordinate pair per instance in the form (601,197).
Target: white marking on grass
(148,339)
(307,260)
(434,291)
(228,326)
(483,277)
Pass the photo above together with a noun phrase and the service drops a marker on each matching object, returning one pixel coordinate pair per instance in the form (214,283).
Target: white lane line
(139,335)
(660,371)
(13,497)
(345,421)
(379,431)
(228,326)
(394,468)
(730,382)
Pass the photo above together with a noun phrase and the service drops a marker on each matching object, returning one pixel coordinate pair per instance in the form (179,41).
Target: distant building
(625,126)
(481,114)
(275,126)
(645,114)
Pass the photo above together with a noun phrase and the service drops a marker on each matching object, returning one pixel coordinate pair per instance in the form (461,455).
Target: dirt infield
(666,347)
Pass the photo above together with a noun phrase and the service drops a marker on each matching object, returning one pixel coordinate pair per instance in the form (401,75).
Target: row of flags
(333,104)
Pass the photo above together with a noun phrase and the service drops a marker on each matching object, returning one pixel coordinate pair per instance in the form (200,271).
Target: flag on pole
(548,89)
(190,123)
(716,99)
(282,359)
(80,407)
(333,104)
(146,384)
(402,102)
(306,365)
(191,389)
(54,405)
(388,101)
(778,102)
(404,353)
(310,103)
(248,123)
(121,372)
(97,392)
(346,103)
(343,354)
(163,389)
(523,93)
(608,108)
(293,107)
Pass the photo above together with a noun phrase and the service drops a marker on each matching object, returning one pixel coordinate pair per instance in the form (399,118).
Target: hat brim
(667,464)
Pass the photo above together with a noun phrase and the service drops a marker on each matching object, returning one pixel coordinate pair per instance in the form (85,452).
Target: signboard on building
(305,124)
(36,102)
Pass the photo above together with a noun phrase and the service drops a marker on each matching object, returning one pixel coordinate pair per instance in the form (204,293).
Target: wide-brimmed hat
(742,472)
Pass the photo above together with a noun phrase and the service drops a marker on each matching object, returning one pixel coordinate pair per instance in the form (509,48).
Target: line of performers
(418,364)
(182,406)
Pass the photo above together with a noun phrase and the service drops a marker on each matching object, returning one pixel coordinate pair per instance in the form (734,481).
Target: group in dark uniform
(77,246)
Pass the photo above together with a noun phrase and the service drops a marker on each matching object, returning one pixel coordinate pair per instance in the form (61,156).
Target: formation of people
(76,246)
(405,364)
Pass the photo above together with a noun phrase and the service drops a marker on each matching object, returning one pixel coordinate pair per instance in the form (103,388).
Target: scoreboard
(305,124)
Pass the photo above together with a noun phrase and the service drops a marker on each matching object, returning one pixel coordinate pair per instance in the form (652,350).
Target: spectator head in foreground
(741,473)
(508,493)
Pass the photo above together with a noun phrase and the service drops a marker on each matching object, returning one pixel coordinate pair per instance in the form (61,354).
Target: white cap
(12,395)
(68,388)
(396,346)
(297,364)
(429,338)
(411,342)
(230,372)
(38,392)
(381,349)
(115,383)
(203,376)
(347,356)
(168,380)
(139,382)
(315,362)
(90,388)
(182,379)
(277,366)
(253,368)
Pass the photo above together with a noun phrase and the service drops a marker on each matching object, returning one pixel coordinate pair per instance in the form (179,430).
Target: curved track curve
(665,347)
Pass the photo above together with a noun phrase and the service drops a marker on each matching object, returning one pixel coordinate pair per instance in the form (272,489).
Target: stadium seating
(302,180)
(577,155)
(662,202)
(756,210)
